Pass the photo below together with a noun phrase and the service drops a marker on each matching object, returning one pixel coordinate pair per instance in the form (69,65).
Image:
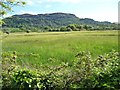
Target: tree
(72,26)
(63,29)
(7,5)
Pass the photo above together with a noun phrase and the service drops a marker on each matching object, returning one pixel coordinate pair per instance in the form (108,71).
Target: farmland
(61,60)
(52,48)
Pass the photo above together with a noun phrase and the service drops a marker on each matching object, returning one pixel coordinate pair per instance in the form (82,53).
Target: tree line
(70,27)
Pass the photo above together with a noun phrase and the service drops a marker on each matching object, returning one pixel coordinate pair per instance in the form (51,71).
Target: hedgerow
(84,73)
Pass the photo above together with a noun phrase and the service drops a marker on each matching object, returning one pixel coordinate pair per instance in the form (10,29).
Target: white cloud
(29,2)
(65,1)
(75,0)
(33,2)
(78,1)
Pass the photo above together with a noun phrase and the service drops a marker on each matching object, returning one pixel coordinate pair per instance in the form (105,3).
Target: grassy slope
(60,46)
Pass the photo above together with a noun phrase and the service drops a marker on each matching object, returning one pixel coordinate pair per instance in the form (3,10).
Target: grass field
(53,48)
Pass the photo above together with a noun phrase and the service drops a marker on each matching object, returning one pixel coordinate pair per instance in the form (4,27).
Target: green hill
(29,21)
(54,20)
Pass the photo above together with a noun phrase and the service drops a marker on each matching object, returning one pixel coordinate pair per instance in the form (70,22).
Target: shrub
(8,67)
(107,71)
(85,72)
(28,31)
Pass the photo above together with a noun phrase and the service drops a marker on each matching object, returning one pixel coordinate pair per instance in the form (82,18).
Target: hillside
(53,20)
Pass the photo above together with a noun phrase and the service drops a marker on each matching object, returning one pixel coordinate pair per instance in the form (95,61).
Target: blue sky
(100,10)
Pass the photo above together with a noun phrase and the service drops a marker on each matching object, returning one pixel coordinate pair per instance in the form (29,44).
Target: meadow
(53,48)
(61,60)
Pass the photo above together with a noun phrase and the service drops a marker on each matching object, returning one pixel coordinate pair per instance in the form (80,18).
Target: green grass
(52,48)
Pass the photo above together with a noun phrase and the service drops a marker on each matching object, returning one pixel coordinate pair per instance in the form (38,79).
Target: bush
(85,72)
(107,71)
(28,31)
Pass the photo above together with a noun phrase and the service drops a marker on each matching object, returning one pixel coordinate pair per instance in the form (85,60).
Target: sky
(99,10)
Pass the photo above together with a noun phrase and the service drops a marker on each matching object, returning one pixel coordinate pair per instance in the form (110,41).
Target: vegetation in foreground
(102,73)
